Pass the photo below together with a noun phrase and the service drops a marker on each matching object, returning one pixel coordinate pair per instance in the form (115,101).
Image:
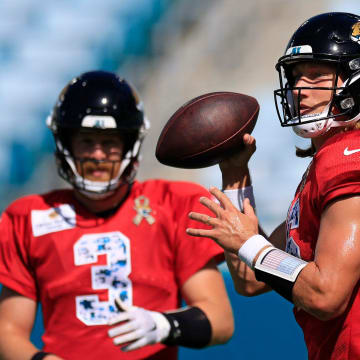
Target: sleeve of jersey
(337,173)
(15,270)
(192,253)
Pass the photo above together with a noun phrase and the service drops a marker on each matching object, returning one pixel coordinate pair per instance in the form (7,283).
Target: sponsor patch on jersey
(303,49)
(98,122)
(355,32)
(53,220)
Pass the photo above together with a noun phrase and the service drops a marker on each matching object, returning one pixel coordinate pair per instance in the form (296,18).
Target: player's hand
(138,327)
(234,170)
(230,227)
(242,157)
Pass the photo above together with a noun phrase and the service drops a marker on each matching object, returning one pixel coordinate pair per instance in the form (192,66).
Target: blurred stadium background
(172,51)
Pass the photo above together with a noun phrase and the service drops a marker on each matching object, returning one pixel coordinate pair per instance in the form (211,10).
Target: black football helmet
(102,101)
(330,38)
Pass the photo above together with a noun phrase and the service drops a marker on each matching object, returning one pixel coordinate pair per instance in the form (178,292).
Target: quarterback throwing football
(313,258)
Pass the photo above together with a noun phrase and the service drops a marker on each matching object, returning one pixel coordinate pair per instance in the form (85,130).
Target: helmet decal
(355,33)
(98,122)
(299,50)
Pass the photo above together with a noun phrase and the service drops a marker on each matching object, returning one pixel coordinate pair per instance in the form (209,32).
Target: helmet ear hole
(97,101)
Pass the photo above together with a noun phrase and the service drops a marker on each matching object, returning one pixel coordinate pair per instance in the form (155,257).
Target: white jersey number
(113,276)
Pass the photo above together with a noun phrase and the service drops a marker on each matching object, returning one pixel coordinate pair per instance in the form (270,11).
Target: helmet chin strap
(316,127)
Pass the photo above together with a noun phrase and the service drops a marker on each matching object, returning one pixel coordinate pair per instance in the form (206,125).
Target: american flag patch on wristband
(280,263)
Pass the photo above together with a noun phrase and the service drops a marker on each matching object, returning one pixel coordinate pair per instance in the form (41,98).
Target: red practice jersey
(75,263)
(333,172)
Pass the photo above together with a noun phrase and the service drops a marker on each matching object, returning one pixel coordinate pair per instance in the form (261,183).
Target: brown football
(207,129)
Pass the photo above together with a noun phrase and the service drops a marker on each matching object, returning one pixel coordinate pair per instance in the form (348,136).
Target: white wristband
(237,196)
(251,248)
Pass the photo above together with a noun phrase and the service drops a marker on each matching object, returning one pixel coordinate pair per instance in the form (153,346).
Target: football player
(109,259)
(313,258)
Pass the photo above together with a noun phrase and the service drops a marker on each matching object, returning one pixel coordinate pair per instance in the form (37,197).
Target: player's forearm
(14,346)
(243,277)
(220,318)
(323,291)
(319,294)
(235,178)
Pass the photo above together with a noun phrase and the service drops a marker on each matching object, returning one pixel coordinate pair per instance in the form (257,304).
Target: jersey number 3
(113,276)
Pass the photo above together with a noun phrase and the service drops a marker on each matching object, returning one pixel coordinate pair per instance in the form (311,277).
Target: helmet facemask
(287,100)
(127,167)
